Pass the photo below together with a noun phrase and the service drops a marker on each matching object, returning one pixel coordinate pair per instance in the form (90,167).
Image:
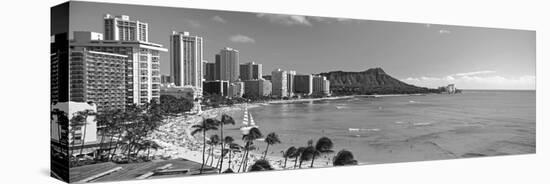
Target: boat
(248,122)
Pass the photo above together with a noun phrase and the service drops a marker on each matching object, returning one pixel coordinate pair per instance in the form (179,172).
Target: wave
(363,129)
(422,124)
(341,107)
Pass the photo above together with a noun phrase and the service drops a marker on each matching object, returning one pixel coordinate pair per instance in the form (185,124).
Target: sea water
(406,128)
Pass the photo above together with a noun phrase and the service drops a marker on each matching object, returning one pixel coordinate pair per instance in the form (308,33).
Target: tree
(206,125)
(81,118)
(261,165)
(114,127)
(308,154)
(149,144)
(214,140)
(323,146)
(289,153)
(344,157)
(297,155)
(271,139)
(226,119)
(253,134)
(229,141)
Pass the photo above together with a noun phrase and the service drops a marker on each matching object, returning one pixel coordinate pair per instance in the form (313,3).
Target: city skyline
(426,55)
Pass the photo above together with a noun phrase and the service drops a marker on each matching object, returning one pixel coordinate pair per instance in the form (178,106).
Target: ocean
(406,128)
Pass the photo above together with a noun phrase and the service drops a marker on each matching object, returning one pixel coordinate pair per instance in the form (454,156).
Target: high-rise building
(227,63)
(290,82)
(142,66)
(121,28)
(321,86)
(303,84)
(186,60)
(250,71)
(210,71)
(217,87)
(98,77)
(257,88)
(280,83)
(59,71)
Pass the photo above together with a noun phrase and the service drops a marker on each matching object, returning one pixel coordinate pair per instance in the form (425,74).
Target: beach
(177,142)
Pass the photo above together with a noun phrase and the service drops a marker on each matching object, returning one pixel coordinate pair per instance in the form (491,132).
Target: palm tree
(82,117)
(289,153)
(232,147)
(104,119)
(253,134)
(206,125)
(227,140)
(114,127)
(149,144)
(323,146)
(226,119)
(308,154)
(261,165)
(214,140)
(344,157)
(271,139)
(297,155)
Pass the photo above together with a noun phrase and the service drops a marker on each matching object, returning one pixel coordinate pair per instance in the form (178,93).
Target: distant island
(371,81)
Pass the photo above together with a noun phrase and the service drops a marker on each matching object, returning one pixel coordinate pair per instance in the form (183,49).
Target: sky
(422,54)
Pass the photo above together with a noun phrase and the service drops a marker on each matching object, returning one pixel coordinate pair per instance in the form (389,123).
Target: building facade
(290,82)
(186,53)
(217,87)
(188,92)
(279,82)
(121,28)
(250,71)
(321,86)
(98,77)
(257,88)
(235,89)
(227,64)
(59,68)
(165,79)
(303,84)
(210,71)
(142,66)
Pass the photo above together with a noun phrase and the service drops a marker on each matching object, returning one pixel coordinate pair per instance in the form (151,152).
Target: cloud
(241,39)
(444,31)
(476,80)
(329,20)
(193,23)
(287,20)
(475,73)
(219,19)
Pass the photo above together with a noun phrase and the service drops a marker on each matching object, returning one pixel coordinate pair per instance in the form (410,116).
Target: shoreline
(177,142)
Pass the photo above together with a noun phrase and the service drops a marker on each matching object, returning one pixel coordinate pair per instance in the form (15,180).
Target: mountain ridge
(370,81)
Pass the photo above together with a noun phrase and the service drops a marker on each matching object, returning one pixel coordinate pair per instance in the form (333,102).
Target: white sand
(177,142)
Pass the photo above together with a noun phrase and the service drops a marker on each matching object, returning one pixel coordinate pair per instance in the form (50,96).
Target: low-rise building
(257,88)
(235,89)
(187,92)
(218,87)
(85,133)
